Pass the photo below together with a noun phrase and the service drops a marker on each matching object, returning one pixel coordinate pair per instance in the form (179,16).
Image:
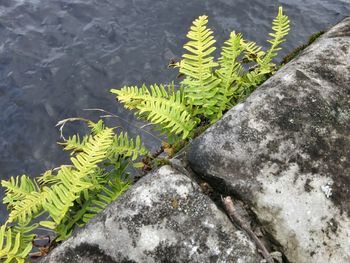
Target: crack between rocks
(180,164)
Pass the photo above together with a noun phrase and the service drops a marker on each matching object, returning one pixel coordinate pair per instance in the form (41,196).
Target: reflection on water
(59,57)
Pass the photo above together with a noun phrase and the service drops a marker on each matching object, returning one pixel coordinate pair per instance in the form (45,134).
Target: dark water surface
(59,57)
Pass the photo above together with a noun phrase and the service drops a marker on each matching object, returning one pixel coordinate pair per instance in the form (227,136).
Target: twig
(236,218)
(63,122)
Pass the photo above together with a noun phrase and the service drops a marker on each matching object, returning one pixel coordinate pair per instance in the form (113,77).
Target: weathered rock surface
(286,152)
(164,218)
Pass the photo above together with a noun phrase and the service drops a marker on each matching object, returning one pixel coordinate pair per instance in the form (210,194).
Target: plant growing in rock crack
(70,195)
(209,87)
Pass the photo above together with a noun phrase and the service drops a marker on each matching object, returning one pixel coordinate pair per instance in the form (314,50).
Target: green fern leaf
(96,127)
(107,195)
(75,144)
(47,178)
(29,207)
(200,85)
(132,96)
(95,151)
(95,203)
(61,196)
(26,232)
(160,107)
(252,52)
(17,188)
(264,67)
(230,71)
(59,200)
(10,246)
(165,114)
(128,148)
(280,26)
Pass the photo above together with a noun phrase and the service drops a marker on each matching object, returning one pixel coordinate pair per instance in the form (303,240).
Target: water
(59,57)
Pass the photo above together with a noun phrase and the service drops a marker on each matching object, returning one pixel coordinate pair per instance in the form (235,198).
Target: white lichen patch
(96,234)
(327,189)
(146,195)
(257,125)
(302,221)
(151,237)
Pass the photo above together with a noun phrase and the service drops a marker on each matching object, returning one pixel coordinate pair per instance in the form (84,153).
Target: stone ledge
(163,218)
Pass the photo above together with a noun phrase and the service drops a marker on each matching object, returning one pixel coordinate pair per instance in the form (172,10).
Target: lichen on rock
(164,218)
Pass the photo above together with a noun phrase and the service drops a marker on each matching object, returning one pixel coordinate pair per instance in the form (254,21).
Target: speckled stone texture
(164,218)
(285,151)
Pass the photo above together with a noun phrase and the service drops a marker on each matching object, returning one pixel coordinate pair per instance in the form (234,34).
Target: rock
(285,151)
(163,218)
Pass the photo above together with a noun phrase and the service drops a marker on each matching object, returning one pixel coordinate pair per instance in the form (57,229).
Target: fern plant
(70,195)
(160,105)
(209,87)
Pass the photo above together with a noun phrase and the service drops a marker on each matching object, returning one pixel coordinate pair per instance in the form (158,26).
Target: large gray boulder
(285,151)
(163,218)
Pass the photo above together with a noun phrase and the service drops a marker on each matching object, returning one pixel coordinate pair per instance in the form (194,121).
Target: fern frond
(159,106)
(29,207)
(59,200)
(25,229)
(10,246)
(108,194)
(230,71)
(250,81)
(95,202)
(96,127)
(200,85)
(164,114)
(26,232)
(251,51)
(17,188)
(280,26)
(132,96)
(74,143)
(122,145)
(47,178)
(61,196)
(95,151)
(264,67)
(56,200)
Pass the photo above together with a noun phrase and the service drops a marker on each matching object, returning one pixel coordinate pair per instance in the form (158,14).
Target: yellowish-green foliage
(200,84)
(11,247)
(70,195)
(209,87)
(159,105)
